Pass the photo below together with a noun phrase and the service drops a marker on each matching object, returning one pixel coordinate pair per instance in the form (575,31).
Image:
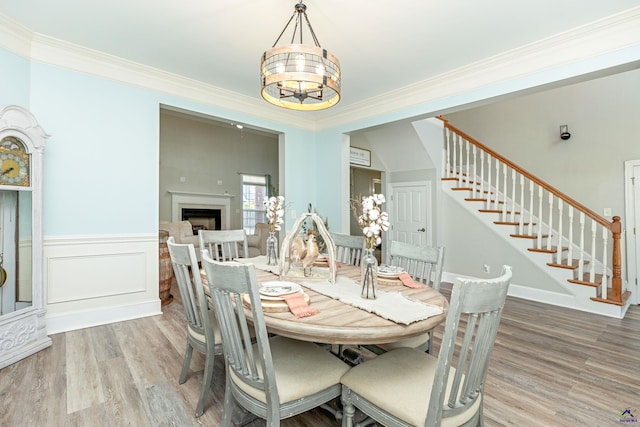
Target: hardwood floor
(550,367)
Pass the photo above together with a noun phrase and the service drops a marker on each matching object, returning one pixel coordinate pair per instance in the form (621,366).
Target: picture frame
(359,156)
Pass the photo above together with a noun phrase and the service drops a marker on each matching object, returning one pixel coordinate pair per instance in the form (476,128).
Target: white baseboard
(553,298)
(100,316)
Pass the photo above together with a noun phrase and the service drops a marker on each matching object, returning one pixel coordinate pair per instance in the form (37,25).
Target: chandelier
(300,76)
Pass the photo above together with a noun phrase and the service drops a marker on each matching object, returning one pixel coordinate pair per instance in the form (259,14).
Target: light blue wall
(14,79)
(101,160)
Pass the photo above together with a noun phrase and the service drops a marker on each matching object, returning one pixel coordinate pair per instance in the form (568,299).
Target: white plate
(277,288)
(389,271)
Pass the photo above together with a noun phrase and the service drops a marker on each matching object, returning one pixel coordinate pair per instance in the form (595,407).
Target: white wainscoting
(95,280)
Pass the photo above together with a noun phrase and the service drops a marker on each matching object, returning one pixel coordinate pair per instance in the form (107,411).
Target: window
(254,190)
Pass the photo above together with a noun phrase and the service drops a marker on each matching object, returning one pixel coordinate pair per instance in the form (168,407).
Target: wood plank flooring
(550,367)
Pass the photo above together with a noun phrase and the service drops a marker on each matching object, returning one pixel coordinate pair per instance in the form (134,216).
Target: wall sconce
(564,132)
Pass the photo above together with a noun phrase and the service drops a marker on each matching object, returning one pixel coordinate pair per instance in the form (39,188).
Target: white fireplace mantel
(193,200)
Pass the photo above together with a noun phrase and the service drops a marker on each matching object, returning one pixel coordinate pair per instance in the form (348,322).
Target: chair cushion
(301,368)
(216,330)
(400,383)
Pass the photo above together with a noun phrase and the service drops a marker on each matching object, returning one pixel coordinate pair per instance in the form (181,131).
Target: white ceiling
(382,45)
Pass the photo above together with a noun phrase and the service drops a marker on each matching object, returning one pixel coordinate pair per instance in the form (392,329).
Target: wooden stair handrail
(615,227)
(591,214)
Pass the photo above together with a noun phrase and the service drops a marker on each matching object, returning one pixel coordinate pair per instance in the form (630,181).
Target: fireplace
(203,219)
(203,208)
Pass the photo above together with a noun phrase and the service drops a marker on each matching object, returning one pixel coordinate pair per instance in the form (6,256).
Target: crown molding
(605,36)
(15,37)
(601,37)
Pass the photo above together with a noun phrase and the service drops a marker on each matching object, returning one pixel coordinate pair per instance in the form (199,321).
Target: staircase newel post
(616,262)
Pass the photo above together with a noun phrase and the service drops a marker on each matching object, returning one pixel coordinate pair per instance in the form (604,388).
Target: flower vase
(369,274)
(272,249)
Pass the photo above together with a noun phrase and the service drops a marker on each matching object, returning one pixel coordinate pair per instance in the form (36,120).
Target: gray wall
(602,116)
(206,152)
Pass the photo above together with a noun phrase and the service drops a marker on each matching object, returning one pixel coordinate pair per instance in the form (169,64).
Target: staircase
(581,246)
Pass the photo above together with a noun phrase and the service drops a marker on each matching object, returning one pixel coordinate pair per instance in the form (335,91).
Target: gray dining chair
(203,333)
(424,264)
(224,245)
(408,387)
(349,249)
(271,377)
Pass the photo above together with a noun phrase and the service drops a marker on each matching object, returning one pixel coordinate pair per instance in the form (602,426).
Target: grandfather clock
(22,315)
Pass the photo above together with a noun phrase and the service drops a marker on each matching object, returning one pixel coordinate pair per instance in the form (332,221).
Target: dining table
(342,323)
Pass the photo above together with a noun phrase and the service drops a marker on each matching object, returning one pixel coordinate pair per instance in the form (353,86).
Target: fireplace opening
(203,219)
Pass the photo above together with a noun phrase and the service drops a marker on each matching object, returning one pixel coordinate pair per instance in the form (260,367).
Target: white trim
(181,200)
(632,236)
(101,316)
(552,298)
(558,57)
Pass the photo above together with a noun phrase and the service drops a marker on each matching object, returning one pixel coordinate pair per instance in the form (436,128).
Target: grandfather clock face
(14,162)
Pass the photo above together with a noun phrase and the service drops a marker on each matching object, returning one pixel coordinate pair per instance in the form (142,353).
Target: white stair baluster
(521,216)
(504,195)
(513,196)
(466,164)
(540,197)
(570,248)
(605,279)
(550,221)
(447,153)
(489,183)
(592,270)
(530,227)
(496,197)
(581,261)
(459,139)
(473,181)
(481,189)
(559,247)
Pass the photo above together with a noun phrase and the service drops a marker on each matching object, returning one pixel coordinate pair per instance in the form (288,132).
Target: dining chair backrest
(265,375)
(202,327)
(423,263)
(470,331)
(228,283)
(224,245)
(349,249)
(407,387)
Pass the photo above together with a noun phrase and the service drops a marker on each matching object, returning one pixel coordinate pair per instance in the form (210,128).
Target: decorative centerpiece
(373,222)
(274,207)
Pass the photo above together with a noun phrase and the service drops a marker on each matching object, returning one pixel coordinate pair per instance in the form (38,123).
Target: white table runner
(389,305)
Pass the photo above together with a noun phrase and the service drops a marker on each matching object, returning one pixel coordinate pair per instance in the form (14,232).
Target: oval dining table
(340,323)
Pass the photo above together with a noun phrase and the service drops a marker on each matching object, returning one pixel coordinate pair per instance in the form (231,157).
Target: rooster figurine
(296,249)
(310,254)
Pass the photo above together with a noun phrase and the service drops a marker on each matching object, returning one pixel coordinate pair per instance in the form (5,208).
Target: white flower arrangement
(274,207)
(371,219)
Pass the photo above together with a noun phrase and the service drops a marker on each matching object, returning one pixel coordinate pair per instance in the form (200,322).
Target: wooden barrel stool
(166,269)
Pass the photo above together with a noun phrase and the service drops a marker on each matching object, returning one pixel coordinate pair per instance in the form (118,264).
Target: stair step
(475,200)
(570,266)
(498,211)
(586,281)
(462,189)
(625,297)
(511,223)
(553,249)
(527,236)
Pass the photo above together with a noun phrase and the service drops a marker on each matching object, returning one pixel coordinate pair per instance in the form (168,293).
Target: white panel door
(410,213)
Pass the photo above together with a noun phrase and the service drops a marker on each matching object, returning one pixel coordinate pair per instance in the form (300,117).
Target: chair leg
(227,410)
(206,382)
(186,363)
(348,410)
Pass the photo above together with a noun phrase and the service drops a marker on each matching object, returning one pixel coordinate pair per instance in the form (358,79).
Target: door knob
(422,229)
